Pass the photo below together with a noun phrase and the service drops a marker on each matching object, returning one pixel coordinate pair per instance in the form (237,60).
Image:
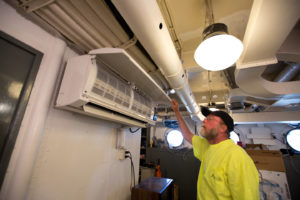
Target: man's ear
(223,128)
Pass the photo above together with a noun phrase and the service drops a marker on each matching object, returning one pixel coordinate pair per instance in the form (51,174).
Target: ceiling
(186,20)
(269,30)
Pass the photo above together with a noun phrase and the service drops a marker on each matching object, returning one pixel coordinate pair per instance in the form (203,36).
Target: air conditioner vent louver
(109,87)
(92,85)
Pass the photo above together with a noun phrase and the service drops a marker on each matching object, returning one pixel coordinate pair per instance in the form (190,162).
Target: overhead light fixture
(218,50)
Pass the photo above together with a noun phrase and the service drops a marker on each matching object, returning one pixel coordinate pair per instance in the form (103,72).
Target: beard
(211,134)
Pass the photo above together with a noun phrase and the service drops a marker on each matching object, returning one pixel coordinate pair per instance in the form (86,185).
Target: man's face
(210,127)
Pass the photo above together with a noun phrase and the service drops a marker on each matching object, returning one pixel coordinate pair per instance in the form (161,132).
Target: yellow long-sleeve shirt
(226,172)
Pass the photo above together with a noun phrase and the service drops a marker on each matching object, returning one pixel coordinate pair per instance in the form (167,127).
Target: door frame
(15,123)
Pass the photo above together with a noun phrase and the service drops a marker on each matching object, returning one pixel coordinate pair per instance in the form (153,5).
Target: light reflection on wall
(14,89)
(5,109)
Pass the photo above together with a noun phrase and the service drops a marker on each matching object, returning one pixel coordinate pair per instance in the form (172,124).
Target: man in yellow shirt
(226,171)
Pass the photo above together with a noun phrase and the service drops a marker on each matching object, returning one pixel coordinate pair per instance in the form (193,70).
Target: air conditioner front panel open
(104,93)
(79,74)
(116,59)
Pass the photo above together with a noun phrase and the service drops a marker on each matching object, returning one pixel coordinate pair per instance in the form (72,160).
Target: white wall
(78,160)
(59,154)
(272,134)
(265,133)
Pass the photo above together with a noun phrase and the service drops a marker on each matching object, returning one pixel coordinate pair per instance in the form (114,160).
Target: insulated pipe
(288,73)
(146,21)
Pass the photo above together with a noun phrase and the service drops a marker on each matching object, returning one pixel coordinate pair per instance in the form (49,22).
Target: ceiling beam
(266,117)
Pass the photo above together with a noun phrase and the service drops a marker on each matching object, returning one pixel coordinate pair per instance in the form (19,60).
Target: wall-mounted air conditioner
(107,83)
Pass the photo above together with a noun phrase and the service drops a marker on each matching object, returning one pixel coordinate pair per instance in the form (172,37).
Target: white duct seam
(146,21)
(177,80)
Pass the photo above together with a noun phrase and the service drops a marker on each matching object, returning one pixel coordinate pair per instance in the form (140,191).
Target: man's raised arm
(187,134)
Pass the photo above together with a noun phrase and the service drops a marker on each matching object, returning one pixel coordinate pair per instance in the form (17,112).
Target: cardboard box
(267,160)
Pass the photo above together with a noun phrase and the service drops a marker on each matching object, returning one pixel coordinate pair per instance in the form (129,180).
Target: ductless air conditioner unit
(107,83)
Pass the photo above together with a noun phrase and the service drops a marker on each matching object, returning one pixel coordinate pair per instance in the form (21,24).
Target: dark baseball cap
(228,121)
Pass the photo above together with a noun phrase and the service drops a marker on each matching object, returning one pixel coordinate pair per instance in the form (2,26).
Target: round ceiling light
(218,50)
(293,139)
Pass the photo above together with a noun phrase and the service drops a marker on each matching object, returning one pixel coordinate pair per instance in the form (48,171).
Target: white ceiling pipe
(185,93)
(144,18)
(146,21)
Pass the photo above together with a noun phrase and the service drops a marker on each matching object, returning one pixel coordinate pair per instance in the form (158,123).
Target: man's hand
(187,134)
(175,105)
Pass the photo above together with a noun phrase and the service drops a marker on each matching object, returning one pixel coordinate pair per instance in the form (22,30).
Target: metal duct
(288,73)
(146,21)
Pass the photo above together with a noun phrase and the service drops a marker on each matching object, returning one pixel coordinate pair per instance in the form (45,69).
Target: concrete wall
(58,154)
